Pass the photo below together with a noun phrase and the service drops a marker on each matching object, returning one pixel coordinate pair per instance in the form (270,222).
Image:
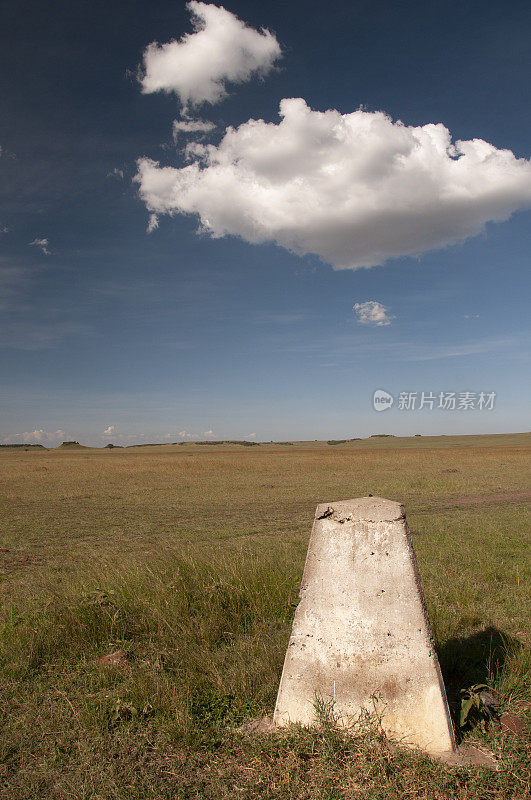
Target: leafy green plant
(478,707)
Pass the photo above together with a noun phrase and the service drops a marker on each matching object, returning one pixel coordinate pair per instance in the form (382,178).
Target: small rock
(119,660)
(490,701)
(469,755)
(257,726)
(512,724)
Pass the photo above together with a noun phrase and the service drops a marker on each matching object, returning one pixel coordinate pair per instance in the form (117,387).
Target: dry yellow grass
(189,558)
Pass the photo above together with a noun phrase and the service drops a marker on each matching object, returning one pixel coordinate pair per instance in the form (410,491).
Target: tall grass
(189,567)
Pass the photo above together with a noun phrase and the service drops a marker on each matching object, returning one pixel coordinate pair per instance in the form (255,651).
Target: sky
(241,221)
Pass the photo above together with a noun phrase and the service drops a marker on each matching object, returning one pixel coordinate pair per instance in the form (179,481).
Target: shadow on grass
(469,660)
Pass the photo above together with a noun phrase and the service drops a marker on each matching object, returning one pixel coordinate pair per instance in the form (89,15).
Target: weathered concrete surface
(361,634)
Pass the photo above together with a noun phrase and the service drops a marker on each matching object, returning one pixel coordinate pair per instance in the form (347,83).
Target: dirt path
(492,499)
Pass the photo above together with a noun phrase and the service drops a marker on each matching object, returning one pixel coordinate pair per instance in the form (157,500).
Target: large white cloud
(222,49)
(355,189)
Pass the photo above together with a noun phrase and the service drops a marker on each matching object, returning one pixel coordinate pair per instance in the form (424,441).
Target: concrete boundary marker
(361,639)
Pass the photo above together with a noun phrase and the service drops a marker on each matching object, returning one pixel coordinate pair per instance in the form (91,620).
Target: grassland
(189,560)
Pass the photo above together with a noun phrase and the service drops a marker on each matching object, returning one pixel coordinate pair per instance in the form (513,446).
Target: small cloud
(186,435)
(38,436)
(108,431)
(6,153)
(222,49)
(470,316)
(209,433)
(251,436)
(42,244)
(4,229)
(190,126)
(153,223)
(372,313)
(116,173)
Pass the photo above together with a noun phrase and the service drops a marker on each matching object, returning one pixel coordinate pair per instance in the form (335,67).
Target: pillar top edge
(366,509)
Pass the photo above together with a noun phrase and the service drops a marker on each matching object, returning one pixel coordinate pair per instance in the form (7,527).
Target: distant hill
(25,446)
(242,442)
(72,446)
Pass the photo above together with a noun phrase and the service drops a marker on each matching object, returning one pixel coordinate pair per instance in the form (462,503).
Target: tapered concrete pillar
(361,634)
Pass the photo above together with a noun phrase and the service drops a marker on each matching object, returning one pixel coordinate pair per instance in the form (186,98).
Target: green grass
(189,559)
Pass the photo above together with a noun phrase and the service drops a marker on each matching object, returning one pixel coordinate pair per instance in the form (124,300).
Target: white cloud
(209,433)
(38,436)
(355,189)
(116,173)
(42,244)
(186,435)
(372,313)
(222,49)
(108,431)
(153,223)
(251,436)
(471,316)
(191,126)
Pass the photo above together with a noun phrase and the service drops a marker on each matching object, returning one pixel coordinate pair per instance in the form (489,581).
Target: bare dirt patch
(11,559)
(496,498)
(491,499)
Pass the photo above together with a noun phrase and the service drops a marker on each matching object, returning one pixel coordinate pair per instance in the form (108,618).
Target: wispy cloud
(42,244)
(191,126)
(153,223)
(12,279)
(37,436)
(108,431)
(187,435)
(341,348)
(27,334)
(372,313)
(419,352)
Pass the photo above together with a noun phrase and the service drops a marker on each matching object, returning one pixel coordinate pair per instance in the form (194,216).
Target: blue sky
(110,333)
